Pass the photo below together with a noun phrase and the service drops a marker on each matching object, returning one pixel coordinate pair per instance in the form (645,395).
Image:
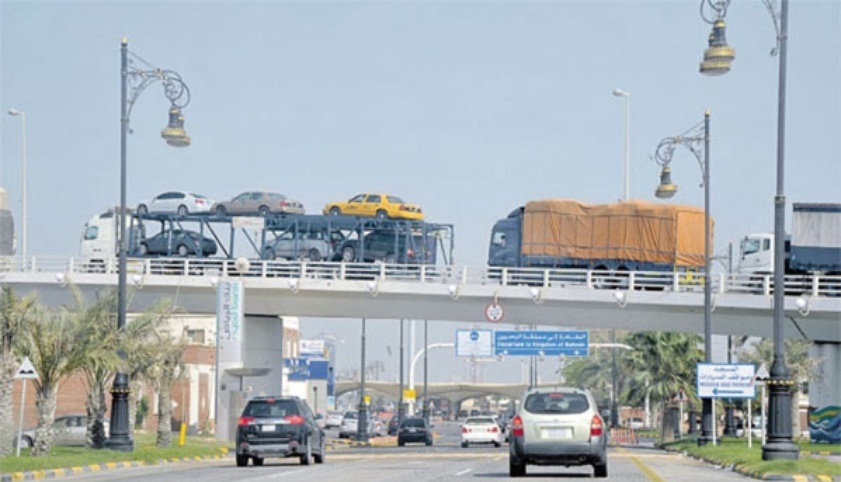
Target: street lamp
(22,115)
(695,141)
(627,96)
(133,82)
(780,442)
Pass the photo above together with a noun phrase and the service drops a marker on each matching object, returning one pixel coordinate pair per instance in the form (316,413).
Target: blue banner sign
(548,343)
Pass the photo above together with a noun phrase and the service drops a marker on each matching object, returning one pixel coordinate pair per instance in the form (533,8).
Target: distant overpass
(563,298)
(452,391)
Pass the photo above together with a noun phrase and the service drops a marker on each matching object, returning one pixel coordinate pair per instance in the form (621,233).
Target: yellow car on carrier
(379,205)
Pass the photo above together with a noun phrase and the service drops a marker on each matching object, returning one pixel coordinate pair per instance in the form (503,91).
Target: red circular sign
(494,312)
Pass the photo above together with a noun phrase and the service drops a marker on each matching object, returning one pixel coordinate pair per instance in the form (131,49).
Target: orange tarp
(638,231)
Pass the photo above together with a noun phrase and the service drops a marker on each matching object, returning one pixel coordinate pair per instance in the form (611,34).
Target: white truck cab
(757,254)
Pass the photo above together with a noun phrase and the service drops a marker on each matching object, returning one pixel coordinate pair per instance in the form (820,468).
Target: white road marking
(463,472)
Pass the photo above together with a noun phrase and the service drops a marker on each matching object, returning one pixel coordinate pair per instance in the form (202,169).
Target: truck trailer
(618,237)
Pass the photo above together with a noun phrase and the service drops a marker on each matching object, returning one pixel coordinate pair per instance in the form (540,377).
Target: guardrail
(455,276)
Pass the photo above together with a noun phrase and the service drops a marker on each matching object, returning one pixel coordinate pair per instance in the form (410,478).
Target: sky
(468,108)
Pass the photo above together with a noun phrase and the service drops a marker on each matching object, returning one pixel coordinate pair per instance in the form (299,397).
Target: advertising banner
(230,315)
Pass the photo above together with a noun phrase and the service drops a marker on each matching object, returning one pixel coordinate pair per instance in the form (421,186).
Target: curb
(85,469)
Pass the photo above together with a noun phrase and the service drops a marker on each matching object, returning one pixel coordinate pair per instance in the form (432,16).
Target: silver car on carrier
(558,426)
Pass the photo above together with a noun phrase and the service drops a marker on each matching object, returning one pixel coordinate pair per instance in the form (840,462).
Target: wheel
(313,255)
(258,461)
(497,444)
(400,443)
(429,443)
(464,445)
(242,460)
(183,211)
(269,254)
(381,214)
(348,254)
(389,259)
(144,249)
(264,211)
(183,250)
(220,211)
(306,458)
(319,458)
(515,467)
(142,209)
(335,211)
(25,442)
(600,470)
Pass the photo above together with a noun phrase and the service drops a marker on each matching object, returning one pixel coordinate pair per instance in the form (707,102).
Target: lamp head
(719,55)
(620,93)
(666,189)
(174,132)
(15,112)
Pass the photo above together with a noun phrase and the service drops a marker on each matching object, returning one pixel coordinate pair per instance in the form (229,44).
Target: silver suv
(558,426)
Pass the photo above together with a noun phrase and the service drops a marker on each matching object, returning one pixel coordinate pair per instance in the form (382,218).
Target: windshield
(271,408)
(751,246)
(479,421)
(557,402)
(414,422)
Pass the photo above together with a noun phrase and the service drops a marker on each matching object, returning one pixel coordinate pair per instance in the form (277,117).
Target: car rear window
(271,408)
(479,421)
(557,402)
(413,422)
(351,415)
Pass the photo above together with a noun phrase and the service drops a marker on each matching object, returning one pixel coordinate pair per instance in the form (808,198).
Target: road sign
(494,312)
(532,343)
(26,371)
(475,343)
(408,394)
(721,380)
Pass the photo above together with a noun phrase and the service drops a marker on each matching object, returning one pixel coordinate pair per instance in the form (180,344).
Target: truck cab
(504,249)
(757,254)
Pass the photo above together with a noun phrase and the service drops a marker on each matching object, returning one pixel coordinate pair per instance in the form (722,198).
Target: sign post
(24,373)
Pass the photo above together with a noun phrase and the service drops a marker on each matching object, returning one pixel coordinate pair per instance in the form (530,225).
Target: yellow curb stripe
(59,473)
(800,478)
(111,465)
(39,474)
(141,463)
(646,471)
(824,478)
(77,470)
(18,476)
(94,468)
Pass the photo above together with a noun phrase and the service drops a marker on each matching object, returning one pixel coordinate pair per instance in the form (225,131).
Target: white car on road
(481,430)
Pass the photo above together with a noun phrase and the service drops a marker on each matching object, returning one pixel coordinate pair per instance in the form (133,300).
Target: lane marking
(463,472)
(646,471)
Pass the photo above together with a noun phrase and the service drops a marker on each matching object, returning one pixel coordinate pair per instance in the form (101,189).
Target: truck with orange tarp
(623,236)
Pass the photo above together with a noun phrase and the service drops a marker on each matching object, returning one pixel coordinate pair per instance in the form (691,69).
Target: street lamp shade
(15,112)
(666,189)
(719,55)
(174,132)
(620,93)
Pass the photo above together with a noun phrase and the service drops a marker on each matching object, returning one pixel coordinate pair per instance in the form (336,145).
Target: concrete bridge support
(248,366)
(825,393)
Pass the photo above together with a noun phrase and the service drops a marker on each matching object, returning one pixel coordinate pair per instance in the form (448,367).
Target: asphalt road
(444,461)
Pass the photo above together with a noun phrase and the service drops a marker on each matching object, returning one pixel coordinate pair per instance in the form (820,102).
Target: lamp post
(362,422)
(401,408)
(22,115)
(133,82)
(695,142)
(627,164)
(425,406)
(780,442)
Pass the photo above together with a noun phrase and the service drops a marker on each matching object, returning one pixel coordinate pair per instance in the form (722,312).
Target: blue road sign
(534,343)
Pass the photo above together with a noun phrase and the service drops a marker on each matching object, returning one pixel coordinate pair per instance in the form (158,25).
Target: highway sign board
(535,342)
(474,343)
(722,380)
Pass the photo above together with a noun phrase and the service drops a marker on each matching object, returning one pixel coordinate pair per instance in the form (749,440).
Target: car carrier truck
(617,237)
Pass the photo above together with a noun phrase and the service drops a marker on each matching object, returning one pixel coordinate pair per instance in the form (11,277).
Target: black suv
(389,247)
(278,427)
(414,429)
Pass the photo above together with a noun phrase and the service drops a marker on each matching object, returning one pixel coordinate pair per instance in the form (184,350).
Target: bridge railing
(452,276)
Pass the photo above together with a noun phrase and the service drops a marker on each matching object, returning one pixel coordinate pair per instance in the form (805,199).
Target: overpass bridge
(555,297)
(456,392)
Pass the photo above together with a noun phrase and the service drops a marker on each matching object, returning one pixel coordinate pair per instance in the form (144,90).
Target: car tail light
(410,253)
(596,426)
(199,201)
(494,430)
(245,420)
(294,419)
(465,430)
(517,426)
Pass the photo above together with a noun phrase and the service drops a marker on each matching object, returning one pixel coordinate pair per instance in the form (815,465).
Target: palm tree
(168,365)
(13,316)
(57,343)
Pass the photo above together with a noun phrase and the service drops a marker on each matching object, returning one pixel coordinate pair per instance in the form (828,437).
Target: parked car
(312,245)
(278,427)
(382,206)
(481,430)
(258,202)
(414,429)
(177,241)
(178,202)
(388,247)
(558,426)
(68,430)
(333,419)
(393,425)
(755,430)
(635,423)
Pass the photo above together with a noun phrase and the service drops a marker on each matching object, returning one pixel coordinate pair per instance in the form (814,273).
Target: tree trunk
(96,407)
(795,412)
(134,400)
(45,402)
(164,438)
(667,432)
(8,366)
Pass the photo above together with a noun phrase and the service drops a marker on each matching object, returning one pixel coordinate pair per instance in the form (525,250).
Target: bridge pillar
(825,393)
(247,367)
